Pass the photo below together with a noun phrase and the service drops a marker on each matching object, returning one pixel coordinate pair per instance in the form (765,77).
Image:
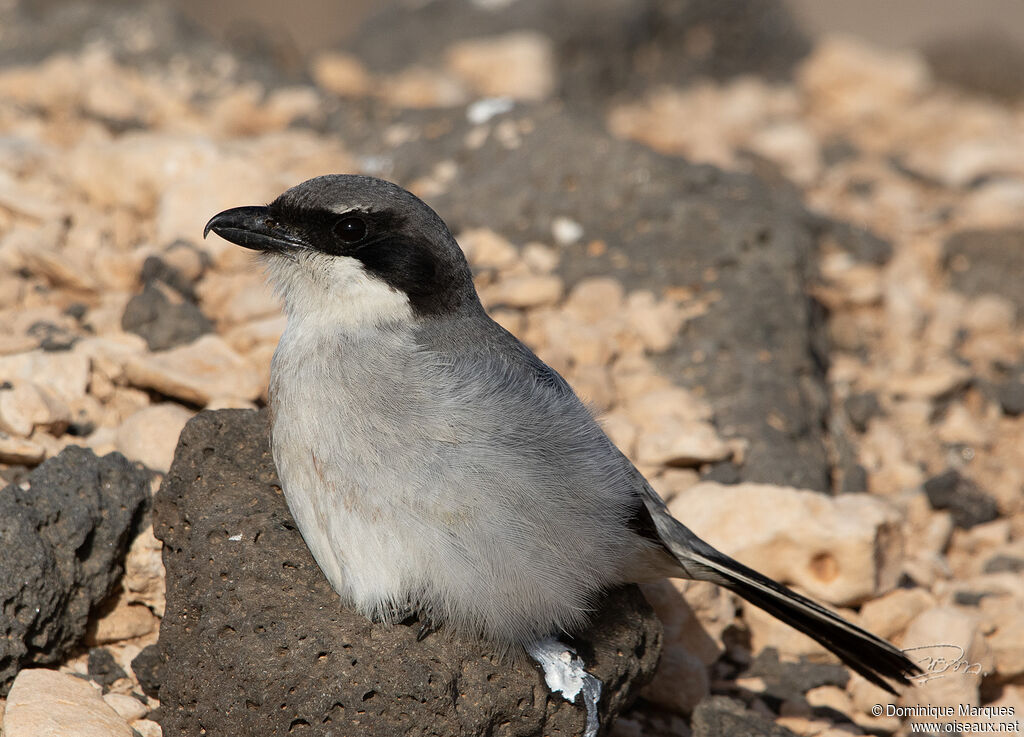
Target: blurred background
(777,246)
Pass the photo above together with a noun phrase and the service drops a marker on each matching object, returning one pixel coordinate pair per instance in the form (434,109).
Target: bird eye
(350,229)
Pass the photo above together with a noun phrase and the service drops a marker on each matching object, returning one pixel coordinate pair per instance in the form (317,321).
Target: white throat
(335,291)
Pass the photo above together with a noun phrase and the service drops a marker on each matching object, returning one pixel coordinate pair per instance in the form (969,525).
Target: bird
(435,466)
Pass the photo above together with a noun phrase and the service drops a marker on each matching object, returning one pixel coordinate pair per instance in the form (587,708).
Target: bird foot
(564,673)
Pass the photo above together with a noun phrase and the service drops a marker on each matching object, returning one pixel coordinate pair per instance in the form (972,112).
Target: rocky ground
(786,276)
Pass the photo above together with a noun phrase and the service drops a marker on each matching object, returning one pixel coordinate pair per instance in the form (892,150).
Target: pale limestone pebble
(486,249)
(147,728)
(47,703)
(230,403)
(675,442)
(217,183)
(830,697)
(969,550)
(22,238)
(247,110)
(197,372)
(421,87)
(846,83)
(886,456)
(122,620)
(996,204)
(974,159)
(104,317)
(128,707)
(680,680)
(120,270)
(20,451)
(121,403)
(595,299)
(852,552)
(151,434)
(524,291)
(666,401)
(992,336)
(185,258)
(237,298)
(253,333)
(657,323)
(102,441)
(802,725)
(1004,634)
(131,170)
(16,326)
(341,74)
(706,122)
(888,615)
(587,344)
(947,643)
(961,426)
(28,199)
(593,383)
(519,65)
(634,375)
(793,146)
(144,575)
(12,290)
(540,258)
(65,374)
(695,614)
(26,406)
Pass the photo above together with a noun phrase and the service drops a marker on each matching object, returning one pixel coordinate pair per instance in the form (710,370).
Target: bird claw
(564,673)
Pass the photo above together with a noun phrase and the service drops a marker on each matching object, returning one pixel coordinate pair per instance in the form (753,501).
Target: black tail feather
(871,656)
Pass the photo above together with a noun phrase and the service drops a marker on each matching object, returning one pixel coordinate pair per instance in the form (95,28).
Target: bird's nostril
(269,223)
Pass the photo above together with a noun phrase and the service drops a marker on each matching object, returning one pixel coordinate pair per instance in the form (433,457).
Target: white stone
(151,434)
(20,451)
(26,406)
(566,231)
(46,703)
(129,707)
(64,373)
(674,442)
(851,552)
(197,372)
(889,615)
(147,728)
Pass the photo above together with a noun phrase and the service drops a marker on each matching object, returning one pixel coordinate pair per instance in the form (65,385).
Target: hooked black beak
(255,228)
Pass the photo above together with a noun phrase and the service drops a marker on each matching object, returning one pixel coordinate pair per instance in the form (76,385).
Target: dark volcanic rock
(968,504)
(62,546)
(255,642)
(603,48)
(148,668)
(756,353)
(720,716)
(789,681)
(103,668)
(987,261)
(163,322)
